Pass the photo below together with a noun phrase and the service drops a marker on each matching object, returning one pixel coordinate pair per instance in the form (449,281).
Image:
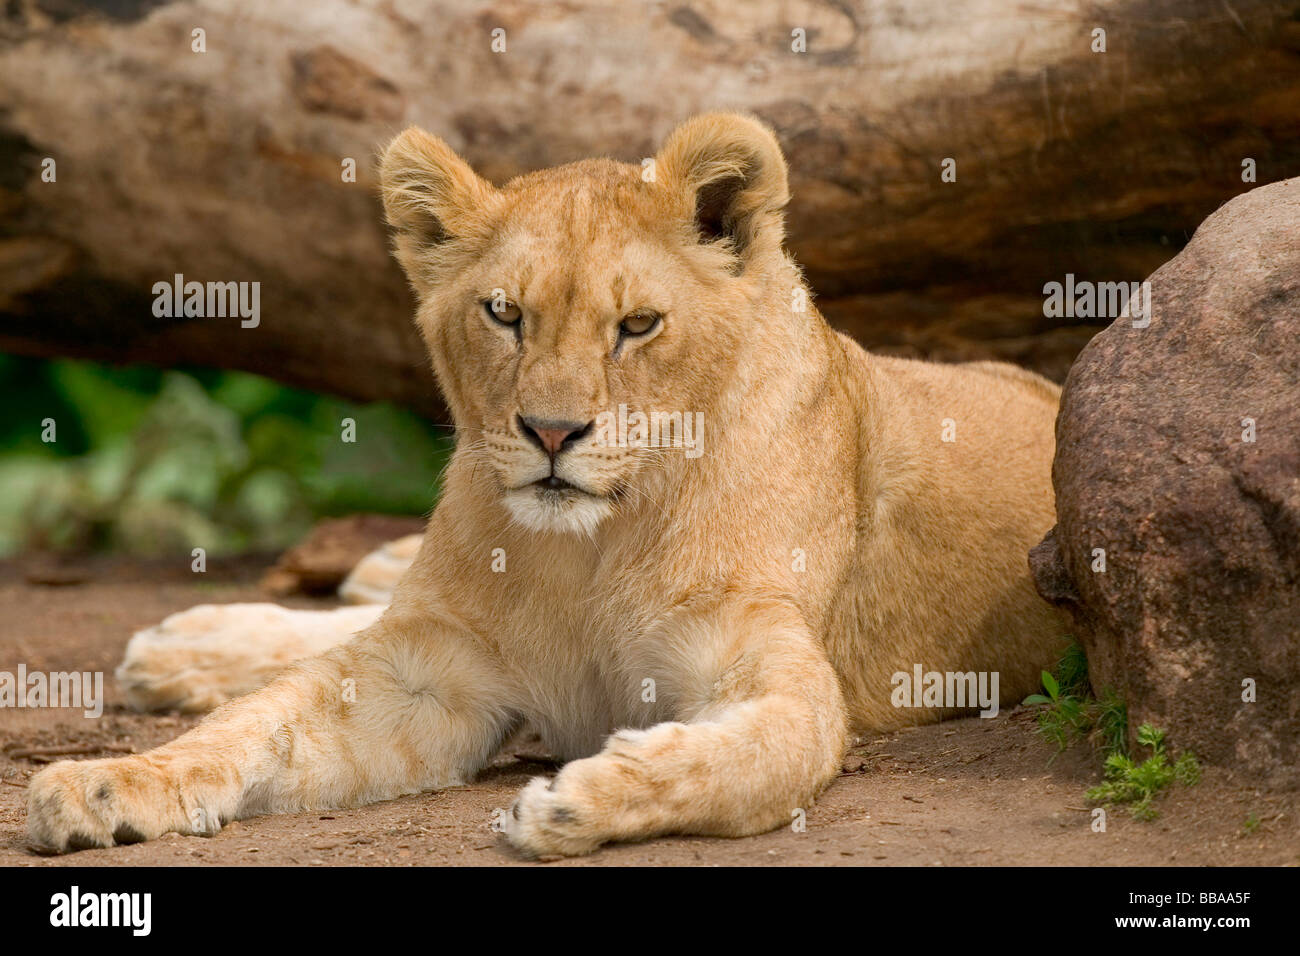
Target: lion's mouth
(556,483)
(555,487)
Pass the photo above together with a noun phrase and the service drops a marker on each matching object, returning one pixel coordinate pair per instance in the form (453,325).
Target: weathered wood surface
(226,165)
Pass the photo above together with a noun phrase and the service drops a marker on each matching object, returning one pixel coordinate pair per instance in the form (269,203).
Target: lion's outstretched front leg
(403,707)
(769,737)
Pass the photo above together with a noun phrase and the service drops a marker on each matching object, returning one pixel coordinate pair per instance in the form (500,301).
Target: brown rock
(1199,523)
(320,562)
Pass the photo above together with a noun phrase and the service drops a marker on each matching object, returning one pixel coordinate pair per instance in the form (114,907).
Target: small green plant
(1071,712)
(1072,670)
(1064,718)
(1252,822)
(1136,784)
(1110,723)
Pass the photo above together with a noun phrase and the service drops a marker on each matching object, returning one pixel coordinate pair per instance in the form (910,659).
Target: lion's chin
(559,511)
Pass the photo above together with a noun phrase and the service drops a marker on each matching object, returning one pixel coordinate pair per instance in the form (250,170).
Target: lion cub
(698,634)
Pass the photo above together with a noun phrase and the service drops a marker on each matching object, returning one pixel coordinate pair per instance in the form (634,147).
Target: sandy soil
(967,792)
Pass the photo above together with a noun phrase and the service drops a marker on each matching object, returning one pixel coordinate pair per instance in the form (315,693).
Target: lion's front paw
(548,820)
(595,800)
(78,805)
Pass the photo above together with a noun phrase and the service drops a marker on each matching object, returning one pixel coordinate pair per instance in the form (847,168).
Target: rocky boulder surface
(1177,476)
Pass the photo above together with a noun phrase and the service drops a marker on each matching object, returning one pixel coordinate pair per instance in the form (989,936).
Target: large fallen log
(228,165)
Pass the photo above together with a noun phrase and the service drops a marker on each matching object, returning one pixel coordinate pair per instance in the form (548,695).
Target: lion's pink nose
(552,435)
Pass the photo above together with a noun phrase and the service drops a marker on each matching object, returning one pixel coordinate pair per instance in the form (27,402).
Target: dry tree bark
(226,165)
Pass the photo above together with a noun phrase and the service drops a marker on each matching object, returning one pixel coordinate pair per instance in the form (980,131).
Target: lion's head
(559,306)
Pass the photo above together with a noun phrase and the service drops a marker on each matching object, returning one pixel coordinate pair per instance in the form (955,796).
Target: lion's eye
(640,322)
(503,312)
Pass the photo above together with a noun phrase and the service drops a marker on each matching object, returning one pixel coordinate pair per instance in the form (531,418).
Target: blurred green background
(151,461)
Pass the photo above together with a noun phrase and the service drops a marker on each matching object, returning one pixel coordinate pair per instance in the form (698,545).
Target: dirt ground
(969,792)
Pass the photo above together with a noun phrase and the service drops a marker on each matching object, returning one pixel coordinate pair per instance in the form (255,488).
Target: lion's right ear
(430,194)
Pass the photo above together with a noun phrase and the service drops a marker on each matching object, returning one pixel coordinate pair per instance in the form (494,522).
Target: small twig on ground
(39,754)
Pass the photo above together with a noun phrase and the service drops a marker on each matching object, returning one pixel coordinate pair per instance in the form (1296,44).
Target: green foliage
(155,461)
(1064,718)
(1072,670)
(1072,713)
(1110,723)
(1136,784)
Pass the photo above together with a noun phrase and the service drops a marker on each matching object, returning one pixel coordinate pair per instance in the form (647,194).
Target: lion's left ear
(728,170)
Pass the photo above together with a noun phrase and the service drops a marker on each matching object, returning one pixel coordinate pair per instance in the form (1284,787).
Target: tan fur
(737,614)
